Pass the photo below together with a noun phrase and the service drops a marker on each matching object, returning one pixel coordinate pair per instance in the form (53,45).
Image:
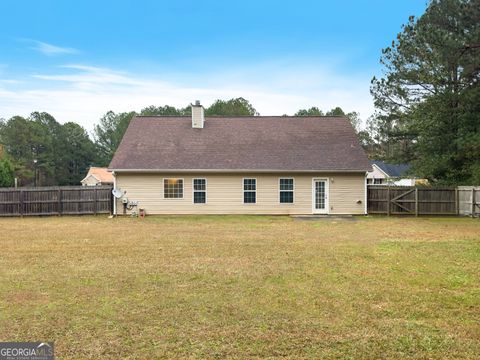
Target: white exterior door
(320,196)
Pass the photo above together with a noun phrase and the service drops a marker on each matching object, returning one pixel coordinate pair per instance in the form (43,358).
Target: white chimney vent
(198,118)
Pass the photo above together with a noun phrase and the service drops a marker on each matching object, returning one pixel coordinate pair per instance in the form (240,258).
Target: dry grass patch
(242,286)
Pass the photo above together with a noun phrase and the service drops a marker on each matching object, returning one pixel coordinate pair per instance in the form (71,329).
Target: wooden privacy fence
(56,200)
(410,200)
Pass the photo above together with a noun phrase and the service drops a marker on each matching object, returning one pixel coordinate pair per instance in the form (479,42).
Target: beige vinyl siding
(376,173)
(225,193)
(90,180)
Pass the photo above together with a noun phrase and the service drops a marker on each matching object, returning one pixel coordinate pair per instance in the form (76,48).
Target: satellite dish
(118,193)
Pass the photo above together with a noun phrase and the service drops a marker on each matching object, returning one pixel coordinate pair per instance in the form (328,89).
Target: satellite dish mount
(118,193)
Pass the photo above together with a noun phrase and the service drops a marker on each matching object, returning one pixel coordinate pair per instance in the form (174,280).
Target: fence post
(457,207)
(473,202)
(388,200)
(95,201)
(416,201)
(59,201)
(21,202)
(111,205)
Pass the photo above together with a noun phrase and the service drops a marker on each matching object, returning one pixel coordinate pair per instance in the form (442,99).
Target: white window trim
(293,191)
(205,191)
(243,191)
(183,188)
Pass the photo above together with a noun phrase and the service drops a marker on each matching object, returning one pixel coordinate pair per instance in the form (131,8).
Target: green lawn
(242,287)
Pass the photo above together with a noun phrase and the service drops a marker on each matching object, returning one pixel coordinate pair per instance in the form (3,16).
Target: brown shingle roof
(241,143)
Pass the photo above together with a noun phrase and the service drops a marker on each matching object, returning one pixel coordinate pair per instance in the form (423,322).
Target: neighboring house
(240,165)
(98,176)
(390,174)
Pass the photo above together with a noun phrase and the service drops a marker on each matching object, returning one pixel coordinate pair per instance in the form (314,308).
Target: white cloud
(49,49)
(9,81)
(84,93)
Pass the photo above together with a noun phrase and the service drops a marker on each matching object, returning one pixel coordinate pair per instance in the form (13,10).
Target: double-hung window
(199,191)
(286,187)
(173,188)
(249,191)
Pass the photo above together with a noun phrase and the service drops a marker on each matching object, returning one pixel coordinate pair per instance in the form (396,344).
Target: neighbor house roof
(392,170)
(101,174)
(278,143)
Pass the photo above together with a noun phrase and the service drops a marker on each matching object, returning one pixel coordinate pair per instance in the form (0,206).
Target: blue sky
(77,60)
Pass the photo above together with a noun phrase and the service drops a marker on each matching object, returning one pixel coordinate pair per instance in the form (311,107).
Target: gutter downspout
(366,195)
(114,198)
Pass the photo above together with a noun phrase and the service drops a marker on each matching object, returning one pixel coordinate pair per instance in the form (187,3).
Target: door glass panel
(320,195)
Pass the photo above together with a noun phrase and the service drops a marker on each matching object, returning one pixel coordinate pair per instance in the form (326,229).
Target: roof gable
(101,174)
(241,143)
(88,177)
(392,170)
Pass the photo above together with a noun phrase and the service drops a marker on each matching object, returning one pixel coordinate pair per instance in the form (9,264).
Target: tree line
(39,150)
(427,111)
(428,100)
